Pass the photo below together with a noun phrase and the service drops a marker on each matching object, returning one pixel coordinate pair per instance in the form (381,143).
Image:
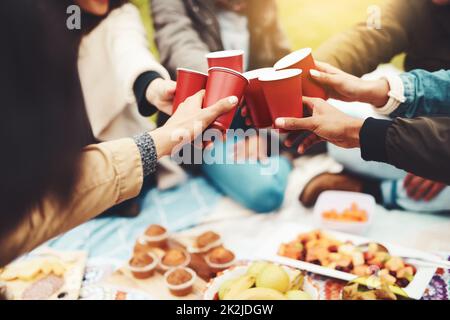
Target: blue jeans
(391,178)
(254,185)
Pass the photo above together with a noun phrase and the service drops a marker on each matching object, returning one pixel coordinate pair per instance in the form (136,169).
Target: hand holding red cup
(223,82)
(255,100)
(189,82)
(303,59)
(283,93)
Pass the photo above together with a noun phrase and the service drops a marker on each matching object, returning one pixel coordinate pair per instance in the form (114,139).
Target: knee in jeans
(265,198)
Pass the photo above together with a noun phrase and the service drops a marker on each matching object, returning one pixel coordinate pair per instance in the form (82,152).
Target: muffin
(141,246)
(143,265)
(220,259)
(175,258)
(208,240)
(156,236)
(180,281)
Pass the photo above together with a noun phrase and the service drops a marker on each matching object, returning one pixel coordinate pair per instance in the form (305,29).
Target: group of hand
(326,123)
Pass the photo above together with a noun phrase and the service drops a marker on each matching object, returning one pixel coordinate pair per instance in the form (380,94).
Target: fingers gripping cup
(222,83)
(255,99)
(189,82)
(303,59)
(231,59)
(283,92)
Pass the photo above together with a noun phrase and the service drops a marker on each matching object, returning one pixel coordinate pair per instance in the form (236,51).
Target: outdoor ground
(310,22)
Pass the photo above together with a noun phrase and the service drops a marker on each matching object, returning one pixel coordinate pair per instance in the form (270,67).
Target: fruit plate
(290,231)
(212,288)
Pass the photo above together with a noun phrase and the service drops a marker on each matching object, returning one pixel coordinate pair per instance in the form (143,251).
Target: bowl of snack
(350,212)
(372,288)
(155,236)
(364,260)
(220,259)
(180,281)
(174,258)
(261,280)
(142,265)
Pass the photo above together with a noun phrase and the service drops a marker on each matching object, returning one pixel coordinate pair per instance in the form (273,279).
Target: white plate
(290,231)
(237,271)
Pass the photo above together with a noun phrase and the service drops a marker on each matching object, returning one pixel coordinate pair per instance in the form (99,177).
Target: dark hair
(43,124)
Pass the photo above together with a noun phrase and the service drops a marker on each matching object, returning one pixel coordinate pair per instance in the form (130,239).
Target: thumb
(296,123)
(220,107)
(169,90)
(324,78)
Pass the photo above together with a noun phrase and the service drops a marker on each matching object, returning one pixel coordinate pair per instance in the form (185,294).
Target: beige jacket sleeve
(361,49)
(110,173)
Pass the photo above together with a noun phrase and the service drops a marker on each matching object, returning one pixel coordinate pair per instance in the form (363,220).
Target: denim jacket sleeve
(426,93)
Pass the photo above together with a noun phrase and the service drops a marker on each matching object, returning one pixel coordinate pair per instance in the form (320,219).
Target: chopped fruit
(395,264)
(352,214)
(291,251)
(362,271)
(346,249)
(357,291)
(357,258)
(345,261)
(373,248)
(406,272)
(318,248)
(388,279)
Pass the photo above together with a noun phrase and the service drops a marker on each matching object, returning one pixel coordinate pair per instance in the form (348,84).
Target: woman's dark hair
(43,123)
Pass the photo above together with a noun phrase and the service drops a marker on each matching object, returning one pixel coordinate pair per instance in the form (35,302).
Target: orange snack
(352,214)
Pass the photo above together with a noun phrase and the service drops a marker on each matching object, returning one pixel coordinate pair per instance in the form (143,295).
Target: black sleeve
(372,138)
(420,146)
(140,87)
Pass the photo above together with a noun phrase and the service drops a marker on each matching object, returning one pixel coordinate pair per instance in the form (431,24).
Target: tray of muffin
(173,266)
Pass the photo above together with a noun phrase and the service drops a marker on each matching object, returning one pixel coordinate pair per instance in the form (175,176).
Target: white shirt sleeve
(128,48)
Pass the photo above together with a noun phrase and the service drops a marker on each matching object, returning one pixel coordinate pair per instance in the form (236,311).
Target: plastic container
(339,201)
(185,263)
(183,289)
(217,267)
(147,271)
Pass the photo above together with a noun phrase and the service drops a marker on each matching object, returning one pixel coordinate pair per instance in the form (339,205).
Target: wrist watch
(396,95)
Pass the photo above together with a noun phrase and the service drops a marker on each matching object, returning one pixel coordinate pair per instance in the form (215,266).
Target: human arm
(410,94)
(419,146)
(363,47)
(109,174)
(140,75)
(178,42)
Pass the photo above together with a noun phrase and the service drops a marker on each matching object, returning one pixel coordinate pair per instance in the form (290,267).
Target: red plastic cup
(283,92)
(255,99)
(231,59)
(189,82)
(303,59)
(222,83)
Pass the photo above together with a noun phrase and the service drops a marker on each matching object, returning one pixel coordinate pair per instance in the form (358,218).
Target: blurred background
(310,22)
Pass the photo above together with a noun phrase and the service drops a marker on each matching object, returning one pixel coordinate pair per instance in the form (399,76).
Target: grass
(308,23)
